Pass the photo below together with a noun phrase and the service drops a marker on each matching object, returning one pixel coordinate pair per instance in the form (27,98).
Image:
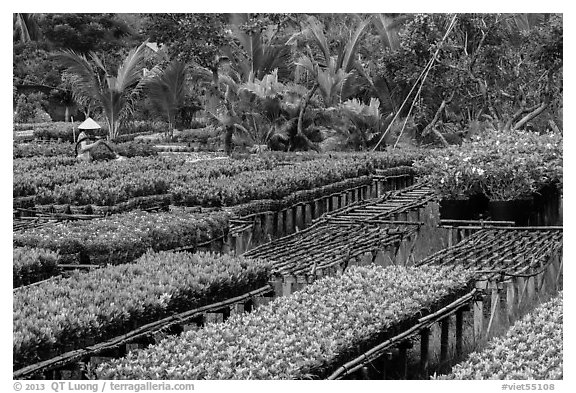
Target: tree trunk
(67,114)
(430,127)
(517,115)
(535,113)
(229,132)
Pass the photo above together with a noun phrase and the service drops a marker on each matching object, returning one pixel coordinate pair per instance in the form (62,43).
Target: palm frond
(314,29)
(167,88)
(308,64)
(351,46)
(388,28)
(130,71)
(86,81)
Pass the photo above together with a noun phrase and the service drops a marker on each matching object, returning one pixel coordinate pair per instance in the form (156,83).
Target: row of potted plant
(30,265)
(65,131)
(53,317)
(502,165)
(30,179)
(121,238)
(532,349)
(205,184)
(305,335)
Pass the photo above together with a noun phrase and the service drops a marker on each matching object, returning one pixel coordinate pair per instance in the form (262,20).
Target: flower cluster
(504,165)
(33,264)
(305,335)
(532,349)
(54,316)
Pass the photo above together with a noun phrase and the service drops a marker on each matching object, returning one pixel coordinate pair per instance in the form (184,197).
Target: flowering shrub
(532,349)
(33,264)
(111,301)
(502,165)
(306,334)
(120,238)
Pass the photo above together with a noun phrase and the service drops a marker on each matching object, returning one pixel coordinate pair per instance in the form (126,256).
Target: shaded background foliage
(492,70)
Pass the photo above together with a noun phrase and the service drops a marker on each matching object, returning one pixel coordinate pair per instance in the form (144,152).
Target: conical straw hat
(89,124)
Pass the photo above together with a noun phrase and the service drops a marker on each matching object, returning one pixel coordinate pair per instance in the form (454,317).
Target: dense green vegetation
(532,349)
(294,81)
(295,107)
(305,335)
(113,300)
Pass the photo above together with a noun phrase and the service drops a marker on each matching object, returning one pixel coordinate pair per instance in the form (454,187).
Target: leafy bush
(305,335)
(502,165)
(33,264)
(107,302)
(29,108)
(532,349)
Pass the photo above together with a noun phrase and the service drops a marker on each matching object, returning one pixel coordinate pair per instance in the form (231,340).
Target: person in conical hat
(83,146)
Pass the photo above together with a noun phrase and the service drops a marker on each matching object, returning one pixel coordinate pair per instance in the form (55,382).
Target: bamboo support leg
(495,310)
(344,199)
(289,221)
(335,202)
(299,220)
(280,218)
(511,296)
(403,358)
(277,285)
(238,244)
(459,332)
(424,352)
(269,226)
(308,214)
(444,342)
(478,310)
(531,288)
(288,285)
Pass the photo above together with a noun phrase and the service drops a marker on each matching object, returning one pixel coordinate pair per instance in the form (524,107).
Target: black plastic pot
(455,209)
(518,210)
(547,210)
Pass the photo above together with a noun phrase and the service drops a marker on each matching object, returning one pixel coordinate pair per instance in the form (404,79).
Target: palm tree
(330,73)
(115,95)
(167,89)
(262,55)
(26,27)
